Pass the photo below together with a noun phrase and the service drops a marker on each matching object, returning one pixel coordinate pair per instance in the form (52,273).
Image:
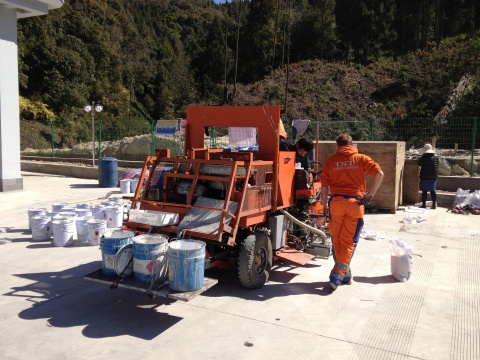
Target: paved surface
(49,311)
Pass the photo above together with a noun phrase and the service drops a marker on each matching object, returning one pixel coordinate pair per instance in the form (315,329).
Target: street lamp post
(94,109)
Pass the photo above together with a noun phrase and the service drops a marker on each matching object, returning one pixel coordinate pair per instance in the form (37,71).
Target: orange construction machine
(248,203)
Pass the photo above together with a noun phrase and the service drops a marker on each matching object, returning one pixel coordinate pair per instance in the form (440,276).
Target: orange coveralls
(344,173)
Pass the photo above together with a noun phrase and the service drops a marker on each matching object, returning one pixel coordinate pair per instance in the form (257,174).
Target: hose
(302,224)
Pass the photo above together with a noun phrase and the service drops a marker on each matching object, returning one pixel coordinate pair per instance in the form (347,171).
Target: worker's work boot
(434,206)
(332,285)
(424,206)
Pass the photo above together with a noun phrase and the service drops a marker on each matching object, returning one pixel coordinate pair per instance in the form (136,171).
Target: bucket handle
(35,206)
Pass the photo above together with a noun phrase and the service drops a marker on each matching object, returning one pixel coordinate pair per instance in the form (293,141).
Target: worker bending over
(344,175)
(302,147)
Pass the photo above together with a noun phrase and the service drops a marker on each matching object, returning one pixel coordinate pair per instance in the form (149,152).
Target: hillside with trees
(319,59)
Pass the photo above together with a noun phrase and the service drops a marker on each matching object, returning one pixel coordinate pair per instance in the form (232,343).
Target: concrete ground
(49,311)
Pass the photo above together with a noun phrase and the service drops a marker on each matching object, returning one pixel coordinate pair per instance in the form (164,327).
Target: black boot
(424,200)
(434,199)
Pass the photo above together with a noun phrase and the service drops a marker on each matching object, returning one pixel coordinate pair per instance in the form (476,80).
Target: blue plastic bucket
(149,257)
(110,244)
(186,265)
(107,172)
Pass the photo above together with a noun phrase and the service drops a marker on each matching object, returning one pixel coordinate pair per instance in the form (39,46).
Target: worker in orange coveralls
(344,174)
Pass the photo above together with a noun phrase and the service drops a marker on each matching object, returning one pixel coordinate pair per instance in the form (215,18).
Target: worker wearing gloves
(344,175)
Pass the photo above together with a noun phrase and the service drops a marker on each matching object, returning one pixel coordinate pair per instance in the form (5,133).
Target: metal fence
(445,133)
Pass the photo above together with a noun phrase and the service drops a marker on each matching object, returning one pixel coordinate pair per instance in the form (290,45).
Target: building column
(10,177)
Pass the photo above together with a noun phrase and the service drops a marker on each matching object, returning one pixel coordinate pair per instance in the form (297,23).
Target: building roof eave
(29,8)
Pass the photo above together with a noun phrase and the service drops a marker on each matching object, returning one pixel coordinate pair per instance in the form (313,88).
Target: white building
(10,11)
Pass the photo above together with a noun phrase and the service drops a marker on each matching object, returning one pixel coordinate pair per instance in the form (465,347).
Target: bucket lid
(83,206)
(150,239)
(119,234)
(33,210)
(187,244)
(97,221)
(68,213)
(59,204)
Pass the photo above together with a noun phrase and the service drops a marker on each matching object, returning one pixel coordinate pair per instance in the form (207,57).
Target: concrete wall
(69,170)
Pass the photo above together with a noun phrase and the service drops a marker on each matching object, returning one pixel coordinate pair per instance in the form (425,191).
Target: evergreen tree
(315,36)
(365,26)
(257,41)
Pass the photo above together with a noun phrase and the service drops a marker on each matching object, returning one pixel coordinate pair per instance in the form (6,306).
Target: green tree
(257,41)
(214,61)
(365,26)
(315,35)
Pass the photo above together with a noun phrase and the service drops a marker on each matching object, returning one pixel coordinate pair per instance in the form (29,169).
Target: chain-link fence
(457,134)
(450,136)
(447,133)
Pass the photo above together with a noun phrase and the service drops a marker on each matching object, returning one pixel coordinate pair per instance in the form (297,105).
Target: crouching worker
(344,175)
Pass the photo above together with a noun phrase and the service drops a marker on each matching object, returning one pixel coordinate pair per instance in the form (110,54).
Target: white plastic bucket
(133,185)
(107,203)
(54,216)
(63,232)
(68,214)
(125,186)
(83,206)
(98,212)
(82,212)
(68,209)
(57,207)
(96,228)
(41,227)
(72,215)
(116,200)
(82,228)
(34,212)
(114,216)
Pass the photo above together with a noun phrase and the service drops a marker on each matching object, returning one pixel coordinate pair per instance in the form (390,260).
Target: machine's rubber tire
(255,260)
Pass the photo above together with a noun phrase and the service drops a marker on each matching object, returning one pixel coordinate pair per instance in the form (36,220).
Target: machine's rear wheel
(255,260)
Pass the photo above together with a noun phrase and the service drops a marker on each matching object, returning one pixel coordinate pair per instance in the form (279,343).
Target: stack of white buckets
(84,222)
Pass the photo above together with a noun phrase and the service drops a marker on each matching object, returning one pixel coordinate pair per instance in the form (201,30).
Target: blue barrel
(111,243)
(149,257)
(186,265)
(107,172)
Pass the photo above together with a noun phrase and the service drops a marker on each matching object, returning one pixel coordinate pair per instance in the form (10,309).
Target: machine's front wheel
(255,260)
